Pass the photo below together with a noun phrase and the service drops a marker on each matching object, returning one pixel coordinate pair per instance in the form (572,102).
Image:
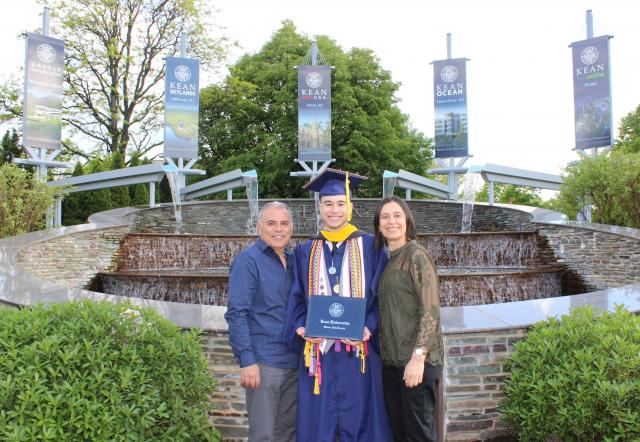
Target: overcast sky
(520,91)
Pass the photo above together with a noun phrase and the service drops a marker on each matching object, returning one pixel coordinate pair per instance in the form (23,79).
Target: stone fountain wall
(73,259)
(600,259)
(230,217)
(474,268)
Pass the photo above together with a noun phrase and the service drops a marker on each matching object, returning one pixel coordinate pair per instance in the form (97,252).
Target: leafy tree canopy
(250,121)
(629,133)
(510,194)
(609,184)
(9,146)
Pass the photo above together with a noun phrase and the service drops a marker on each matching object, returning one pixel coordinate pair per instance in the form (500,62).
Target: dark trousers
(412,410)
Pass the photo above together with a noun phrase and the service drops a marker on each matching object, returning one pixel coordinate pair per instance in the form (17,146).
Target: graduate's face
(334,210)
(393,223)
(275,228)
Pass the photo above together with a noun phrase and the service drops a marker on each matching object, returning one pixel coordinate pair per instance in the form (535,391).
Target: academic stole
(353,286)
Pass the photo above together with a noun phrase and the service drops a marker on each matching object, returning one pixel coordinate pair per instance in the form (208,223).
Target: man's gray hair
(274,205)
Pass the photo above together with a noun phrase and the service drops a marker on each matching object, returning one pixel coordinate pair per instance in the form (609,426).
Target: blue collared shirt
(258,292)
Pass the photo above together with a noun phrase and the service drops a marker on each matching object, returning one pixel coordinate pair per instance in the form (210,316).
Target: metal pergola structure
(151,174)
(491,173)
(410,181)
(219,183)
(494,173)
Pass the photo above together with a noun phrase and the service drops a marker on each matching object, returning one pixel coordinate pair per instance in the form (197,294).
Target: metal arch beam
(520,177)
(148,173)
(411,181)
(219,183)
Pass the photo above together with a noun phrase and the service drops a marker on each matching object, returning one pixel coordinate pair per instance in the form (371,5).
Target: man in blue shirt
(259,282)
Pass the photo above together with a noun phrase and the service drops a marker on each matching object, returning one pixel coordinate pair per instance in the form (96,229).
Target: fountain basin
(458,286)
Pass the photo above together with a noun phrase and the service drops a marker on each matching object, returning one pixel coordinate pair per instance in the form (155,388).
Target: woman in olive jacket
(410,339)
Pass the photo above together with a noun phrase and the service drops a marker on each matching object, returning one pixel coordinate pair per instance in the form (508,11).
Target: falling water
(471,183)
(473,268)
(388,183)
(319,222)
(173,176)
(251,184)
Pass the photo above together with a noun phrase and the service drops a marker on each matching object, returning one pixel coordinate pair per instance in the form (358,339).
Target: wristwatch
(420,351)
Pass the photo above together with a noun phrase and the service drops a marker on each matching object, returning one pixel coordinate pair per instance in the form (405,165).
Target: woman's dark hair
(380,241)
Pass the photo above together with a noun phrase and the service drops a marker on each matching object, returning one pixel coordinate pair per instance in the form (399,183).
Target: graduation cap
(334,182)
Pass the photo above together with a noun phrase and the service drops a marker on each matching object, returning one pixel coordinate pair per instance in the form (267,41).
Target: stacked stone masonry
(230,217)
(602,260)
(474,376)
(74,259)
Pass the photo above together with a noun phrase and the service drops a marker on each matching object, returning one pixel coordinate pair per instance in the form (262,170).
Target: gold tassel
(316,385)
(307,354)
(363,365)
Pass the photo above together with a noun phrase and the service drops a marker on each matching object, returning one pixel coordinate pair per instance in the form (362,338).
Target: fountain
(389,180)
(251,184)
(471,184)
(174,179)
(474,268)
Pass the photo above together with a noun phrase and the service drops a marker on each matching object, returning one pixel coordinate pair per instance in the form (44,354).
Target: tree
(119,195)
(114,64)
(629,133)
(10,99)
(73,211)
(510,194)
(10,146)
(609,184)
(24,201)
(97,200)
(138,193)
(250,121)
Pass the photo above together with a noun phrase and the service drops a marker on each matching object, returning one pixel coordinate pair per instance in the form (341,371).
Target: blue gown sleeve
(297,304)
(378,262)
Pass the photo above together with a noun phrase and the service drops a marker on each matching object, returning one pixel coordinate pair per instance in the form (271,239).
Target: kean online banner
(592,92)
(314,113)
(450,106)
(42,113)
(181,108)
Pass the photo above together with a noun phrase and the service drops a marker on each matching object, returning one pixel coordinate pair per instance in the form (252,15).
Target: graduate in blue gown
(339,381)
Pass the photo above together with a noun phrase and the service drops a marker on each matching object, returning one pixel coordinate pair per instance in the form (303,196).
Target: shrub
(24,201)
(577,378)
(87,371)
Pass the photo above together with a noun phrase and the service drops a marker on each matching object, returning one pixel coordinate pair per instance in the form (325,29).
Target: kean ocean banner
(42,112)
(592,92)
(314,113)
(450,108)
(181,107)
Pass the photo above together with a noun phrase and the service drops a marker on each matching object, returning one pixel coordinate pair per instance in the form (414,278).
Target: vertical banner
(450,106)
(592,92)
(42,110)
(181,108)
(314,113)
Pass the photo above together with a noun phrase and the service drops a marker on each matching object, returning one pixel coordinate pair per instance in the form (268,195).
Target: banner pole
(45,21)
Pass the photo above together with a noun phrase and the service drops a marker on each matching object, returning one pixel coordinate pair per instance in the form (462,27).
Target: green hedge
(87,371)
(577,378)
